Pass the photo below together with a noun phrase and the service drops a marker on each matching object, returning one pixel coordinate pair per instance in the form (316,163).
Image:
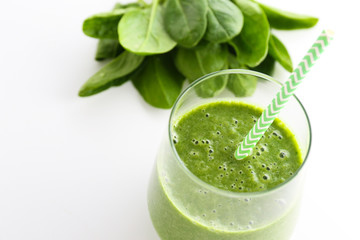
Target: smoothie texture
(205,139)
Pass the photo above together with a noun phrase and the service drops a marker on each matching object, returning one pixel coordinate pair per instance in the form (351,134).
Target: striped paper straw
(282,97)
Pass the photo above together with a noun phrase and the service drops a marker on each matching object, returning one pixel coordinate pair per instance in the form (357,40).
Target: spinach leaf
(240,85)
(113,73)
(278,51)
(267,66)
(251,45)
(104,25)
(225,21)
(213,86)
(185,20)
(286,20)
(201,60)
(158,81)
(142,31)
(108,48)
(134,30)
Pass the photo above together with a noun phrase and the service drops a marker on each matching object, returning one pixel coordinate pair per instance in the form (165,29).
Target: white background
(72,168)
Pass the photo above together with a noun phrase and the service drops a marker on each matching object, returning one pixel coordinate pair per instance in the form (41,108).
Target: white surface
(70,167)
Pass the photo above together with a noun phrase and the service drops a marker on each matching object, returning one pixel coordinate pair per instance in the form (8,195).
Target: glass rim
(209,186)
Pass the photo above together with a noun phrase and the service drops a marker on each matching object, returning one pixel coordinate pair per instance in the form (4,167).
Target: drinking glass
(182,206)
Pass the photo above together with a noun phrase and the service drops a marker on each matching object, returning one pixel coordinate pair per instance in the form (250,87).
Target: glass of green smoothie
(199,191)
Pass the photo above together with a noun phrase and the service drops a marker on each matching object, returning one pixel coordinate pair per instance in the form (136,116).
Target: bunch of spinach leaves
(159,45)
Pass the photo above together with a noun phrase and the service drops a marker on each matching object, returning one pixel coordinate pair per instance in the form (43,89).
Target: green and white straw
(282,97)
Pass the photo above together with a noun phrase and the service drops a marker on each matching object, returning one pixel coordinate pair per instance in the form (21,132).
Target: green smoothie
(205,139)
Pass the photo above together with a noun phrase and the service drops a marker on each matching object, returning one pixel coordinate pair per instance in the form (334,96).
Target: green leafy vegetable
(286,20)
(112,73)
(267,66)
(251,45)
(142,31)
(187,39)
(278,51)
(186,20)
(201,60)
(225,21)
(104,25)
(108,48)
(240,85)
(158,81)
